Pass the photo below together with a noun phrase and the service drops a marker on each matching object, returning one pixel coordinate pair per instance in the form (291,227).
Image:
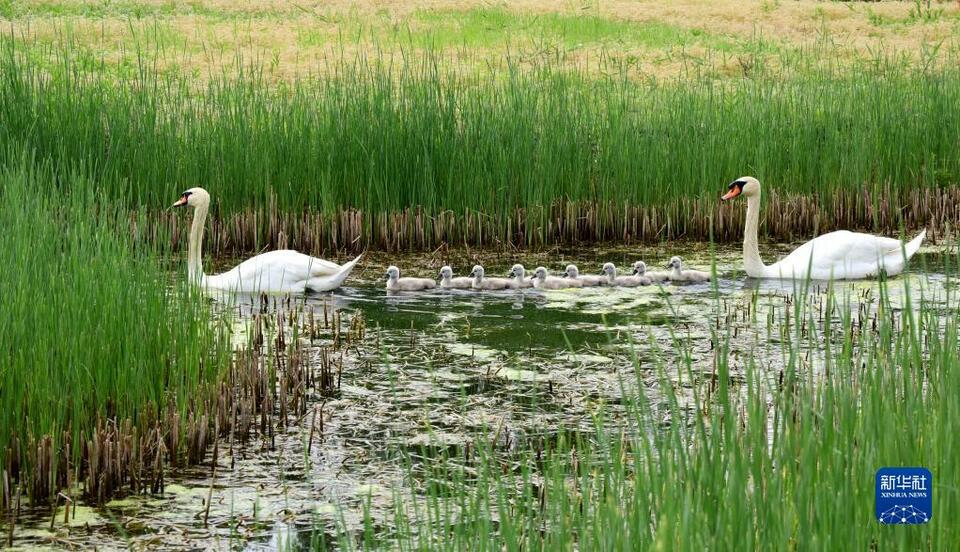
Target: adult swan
(838,255)
(282,271)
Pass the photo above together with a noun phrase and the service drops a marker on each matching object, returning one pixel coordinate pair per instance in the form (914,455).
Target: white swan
(573,272)
(542,280)
(518,274)
(447,281)
(681,275)
(837,255)
(396,283)
(282,271)
(640,269)
(481,282)
(610,271)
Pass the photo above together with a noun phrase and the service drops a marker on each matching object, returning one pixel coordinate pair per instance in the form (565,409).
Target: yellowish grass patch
(293,38)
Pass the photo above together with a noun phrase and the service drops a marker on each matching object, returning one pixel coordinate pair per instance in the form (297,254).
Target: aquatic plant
(95,339)
(109,374)
(410,154)
(742,455)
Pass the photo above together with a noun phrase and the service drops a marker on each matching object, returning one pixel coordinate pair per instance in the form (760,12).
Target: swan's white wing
(332,281)
(313,267)
(276,271)
(842,254)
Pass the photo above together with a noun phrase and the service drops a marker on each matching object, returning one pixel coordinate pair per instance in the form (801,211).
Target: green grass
(484,27)
(770,459)
(92,328)
(129,9)
(383,135)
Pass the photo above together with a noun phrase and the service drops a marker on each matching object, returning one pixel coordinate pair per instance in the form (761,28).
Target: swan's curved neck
(752,262)
(194,258)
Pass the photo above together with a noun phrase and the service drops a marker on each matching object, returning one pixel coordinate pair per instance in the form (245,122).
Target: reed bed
(388,152)
(739,456)
(562,223)
(109,374)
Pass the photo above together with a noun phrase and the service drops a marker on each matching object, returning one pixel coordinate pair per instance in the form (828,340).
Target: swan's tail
(327,283)
(914,245)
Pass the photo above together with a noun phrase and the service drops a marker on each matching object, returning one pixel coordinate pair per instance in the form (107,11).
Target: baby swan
(447,281)
(681,275)
(640,270)
(396,283)
(480,282)
(542,280)
(610,271)
(518,274)
(573,273)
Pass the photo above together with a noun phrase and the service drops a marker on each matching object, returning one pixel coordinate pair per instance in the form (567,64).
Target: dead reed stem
(786,218)
(268,380)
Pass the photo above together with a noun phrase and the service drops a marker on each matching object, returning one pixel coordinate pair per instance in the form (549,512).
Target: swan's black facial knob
(184,197)
(734,189)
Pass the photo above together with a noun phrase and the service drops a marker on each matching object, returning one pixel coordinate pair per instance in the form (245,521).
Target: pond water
(440,368)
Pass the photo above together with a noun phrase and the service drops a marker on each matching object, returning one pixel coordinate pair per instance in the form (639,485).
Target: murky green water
(440,368)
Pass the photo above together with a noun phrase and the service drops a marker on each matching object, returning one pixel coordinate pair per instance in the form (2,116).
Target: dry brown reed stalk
(264,384)
(787,218)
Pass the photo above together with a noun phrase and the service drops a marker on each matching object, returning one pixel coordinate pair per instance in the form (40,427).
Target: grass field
(724,39)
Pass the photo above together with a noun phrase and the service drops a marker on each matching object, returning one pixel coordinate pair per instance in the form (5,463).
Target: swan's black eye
(738,184)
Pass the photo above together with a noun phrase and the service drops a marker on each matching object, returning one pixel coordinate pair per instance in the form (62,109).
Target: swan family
(542,279)
(833,256)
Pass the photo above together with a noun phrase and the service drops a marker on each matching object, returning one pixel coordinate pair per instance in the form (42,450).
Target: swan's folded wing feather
(864,251)
(294,261)
(322,267)
(843,254)
(274,270)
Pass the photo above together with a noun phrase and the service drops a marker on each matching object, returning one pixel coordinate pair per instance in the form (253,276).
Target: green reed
(763,458)
(92,328)
(386,134)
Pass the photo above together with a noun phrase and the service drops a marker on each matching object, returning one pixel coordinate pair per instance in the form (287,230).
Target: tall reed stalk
(384,136)
(94,334)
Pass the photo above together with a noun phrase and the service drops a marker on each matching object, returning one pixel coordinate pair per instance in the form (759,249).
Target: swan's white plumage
(845,255)
(840,255)
(282,271)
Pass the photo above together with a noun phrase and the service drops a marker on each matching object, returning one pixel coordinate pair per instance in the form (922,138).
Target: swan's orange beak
(181,202)
(734,192)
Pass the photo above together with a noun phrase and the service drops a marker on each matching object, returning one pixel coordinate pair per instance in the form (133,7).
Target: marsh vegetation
(551,417)
(734,413)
